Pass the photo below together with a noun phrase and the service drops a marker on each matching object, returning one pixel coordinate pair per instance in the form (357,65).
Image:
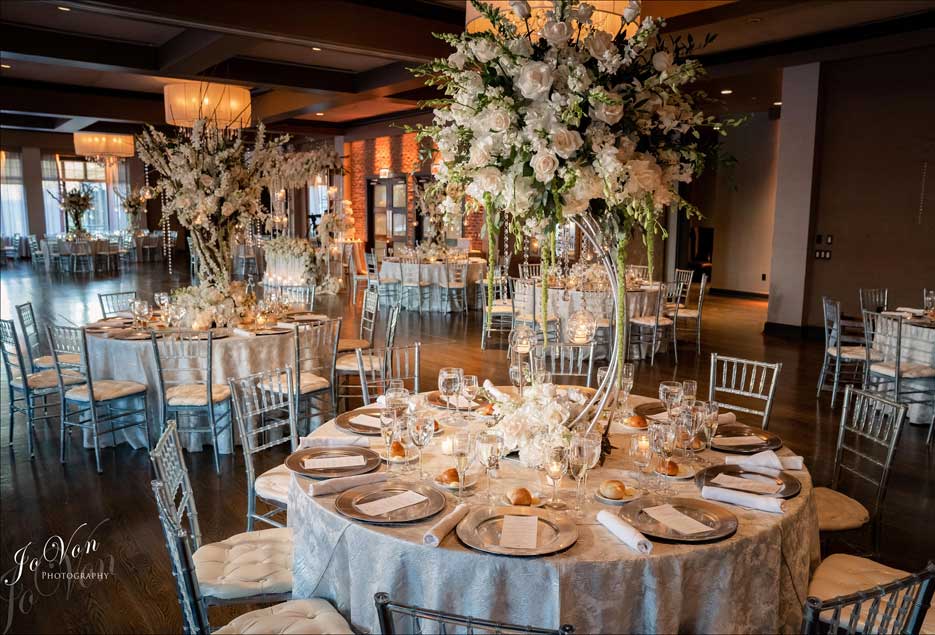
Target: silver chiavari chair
(95,405)
(874,300)
(347,364)
(397,619)
(298,296)
(266,417)
(527,310)
(315,351)
(573,363)
(683,314)
(640,272)
(649,326)
(843,350)
(27,321)
(686,277)
(454,286)
(413,284)
(867,438)
(82,257)
(368,321)
(36,255)
(369,276)
(114,303)
(184,368)
(28,391)
(849,595)
(743,379)
(498,318)
(888,369)
(378,366)
(222,572)
(528,271)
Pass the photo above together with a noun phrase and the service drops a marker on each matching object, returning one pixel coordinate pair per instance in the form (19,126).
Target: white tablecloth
(135,361)
(918,345)
(753,582)
(434,273)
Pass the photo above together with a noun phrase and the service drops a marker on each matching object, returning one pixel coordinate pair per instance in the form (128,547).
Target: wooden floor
(42,498)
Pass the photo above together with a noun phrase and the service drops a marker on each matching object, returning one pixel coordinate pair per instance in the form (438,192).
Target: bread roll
(486,410)
(636,421)
(520,496)
(397,450)
(669,468)
(614,489)
(448,477)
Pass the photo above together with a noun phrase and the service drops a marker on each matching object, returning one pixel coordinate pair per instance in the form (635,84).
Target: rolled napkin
(767,458)
(336,485)
(326,442)
(434,536)
(744,499)
(624,531)
(910,310)
(495,392)
(243,332)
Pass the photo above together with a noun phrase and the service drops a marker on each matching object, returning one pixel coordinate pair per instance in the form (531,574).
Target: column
(32,188)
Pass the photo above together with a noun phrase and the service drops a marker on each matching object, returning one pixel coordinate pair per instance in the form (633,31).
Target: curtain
(109,183)
(13,217)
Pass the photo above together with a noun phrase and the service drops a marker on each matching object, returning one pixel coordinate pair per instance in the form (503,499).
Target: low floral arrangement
(207,307)
(75,204)
(291,258)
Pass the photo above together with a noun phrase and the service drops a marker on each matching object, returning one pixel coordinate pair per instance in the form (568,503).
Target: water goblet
(662,436)
(580,455)
(670,394)
(421,429)
(555,465)
(449,385)
(641,453)
(489,449)
(162,299)
(462,448)
(627,374)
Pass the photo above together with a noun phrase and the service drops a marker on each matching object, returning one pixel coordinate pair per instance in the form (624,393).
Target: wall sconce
(385,173)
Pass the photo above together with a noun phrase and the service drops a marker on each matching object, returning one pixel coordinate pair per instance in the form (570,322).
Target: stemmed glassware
(462,448)
(580,457)
(555,465)
(141,311)
(449,385)
(421,429)
(670,394)
(489,449)
(641,452)
(518,373)
(689,389)
(627,374)
(469,388)
(388,432)
(162,299)
(663,444)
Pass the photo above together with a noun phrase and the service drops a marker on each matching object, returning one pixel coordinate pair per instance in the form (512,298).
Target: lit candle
(581,335)
(643,444)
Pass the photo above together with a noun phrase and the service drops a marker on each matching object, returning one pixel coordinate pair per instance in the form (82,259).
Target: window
(317,205)
(108,181)
(13,218)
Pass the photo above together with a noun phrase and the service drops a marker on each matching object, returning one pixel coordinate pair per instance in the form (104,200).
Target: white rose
(535,80)
(457,59)
(484,50)
(598,43)
(544,164)
(519,192)
(662,61)
(556,33)
(608,113)
(520,47)
(471,82)
(573,206)
(645,175)
(498,119)
(632,11)
(487,180)
(565,142)
(480,152)
(521,9)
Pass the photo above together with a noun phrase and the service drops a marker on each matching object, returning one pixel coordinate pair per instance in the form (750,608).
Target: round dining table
(754,581)
(434,273)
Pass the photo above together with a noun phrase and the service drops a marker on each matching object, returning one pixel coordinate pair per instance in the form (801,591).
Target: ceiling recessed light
(63,8)
(5,66)
(727,91)
(777,103)
(319,114)
(316,48)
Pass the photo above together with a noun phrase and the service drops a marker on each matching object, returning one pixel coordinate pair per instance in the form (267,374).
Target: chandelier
(103,147)
(608,16)
(223,105)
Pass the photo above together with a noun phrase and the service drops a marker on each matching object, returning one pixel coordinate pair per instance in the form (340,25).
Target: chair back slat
(114,303)
(12,353)
(874,300)
(685,276)
(566,361)
(27,321)
(746,379)
(172,474)
(528,271)
(378,366)
(368,314)
(298,296)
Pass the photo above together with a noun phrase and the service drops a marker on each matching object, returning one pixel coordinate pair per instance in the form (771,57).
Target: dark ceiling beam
(336,24)
(75,124)
(58,100)
(28,122)
(68,49)
(387,80)
(281,75)
(193,50)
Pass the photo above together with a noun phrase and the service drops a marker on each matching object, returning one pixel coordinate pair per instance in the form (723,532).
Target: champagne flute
(670,394)
(462,447)
(421,429)
(388,431)
(449,385)
(580,455)
(689,389)
(627,374)
(136,309)
(489,448)
(556,464)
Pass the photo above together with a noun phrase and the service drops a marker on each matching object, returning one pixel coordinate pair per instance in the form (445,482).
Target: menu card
(391,503)
(366,420)
(325,463)
(519,532)
(676,520)
(765,486)
(747,440)
(459,401)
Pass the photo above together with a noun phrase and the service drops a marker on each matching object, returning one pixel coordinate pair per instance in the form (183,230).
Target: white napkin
(910,310)
(434,536)
(494,392)
(244,332)
(767,458)
(286,325)
(124,314)
(336,485)
(624,531)
(114,321)
(327,442)
(460,401)
(381,401)
(744,499)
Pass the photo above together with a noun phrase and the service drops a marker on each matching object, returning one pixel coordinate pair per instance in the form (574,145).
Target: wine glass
(663,444)
(162,299)
(689,389)
(556,464)
(627,374)
(469,387)
(580,455)
(397,400)
(641,452)
(421,429)
(388,431)
(462,448)
(489,448)
(541,377)
(670,394)
(449,385)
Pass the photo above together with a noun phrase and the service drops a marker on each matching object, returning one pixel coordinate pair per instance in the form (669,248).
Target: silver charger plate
(480,530)
(722,523)
(434,398)
(760,440)
(296,461)
(790,484)
(343,421)
(346,503)
(649,409)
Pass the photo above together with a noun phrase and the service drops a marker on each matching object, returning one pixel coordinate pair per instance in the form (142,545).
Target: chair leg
(214,434)
(251,505)
(821,375)
(30,428)
(837,378)
(97,448)
(698,337)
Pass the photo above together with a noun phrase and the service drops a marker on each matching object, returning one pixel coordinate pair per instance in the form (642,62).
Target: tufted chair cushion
(106,389)
(837,511)
(196,394)
(843,574)
(348,362)
(309,617)
(48,379)
(351,344)
(47,361)
(906,369)
(274,484)
(688,314)
(650,320)
(310,383)
(252,563)
(501,309)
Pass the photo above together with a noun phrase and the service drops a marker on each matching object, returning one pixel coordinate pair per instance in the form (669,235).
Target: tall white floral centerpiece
(211,179)
(134,206)
(547,118)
